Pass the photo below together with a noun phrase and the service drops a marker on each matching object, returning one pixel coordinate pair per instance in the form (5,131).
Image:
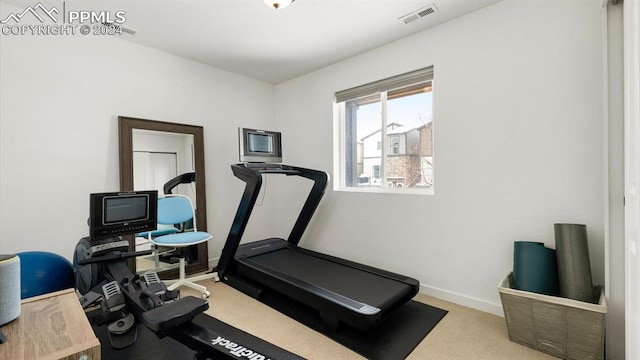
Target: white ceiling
(247,37)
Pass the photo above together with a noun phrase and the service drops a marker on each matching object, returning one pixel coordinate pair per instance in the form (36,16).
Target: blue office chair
(43,272)
(145,238)
(176,210)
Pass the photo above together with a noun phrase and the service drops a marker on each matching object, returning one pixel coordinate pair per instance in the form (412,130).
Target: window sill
(392,191)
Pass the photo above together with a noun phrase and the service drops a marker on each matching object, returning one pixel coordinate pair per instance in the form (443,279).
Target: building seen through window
(388,138)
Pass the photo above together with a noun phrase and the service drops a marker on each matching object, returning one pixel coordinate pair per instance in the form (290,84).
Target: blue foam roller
(44,272)
(535,268)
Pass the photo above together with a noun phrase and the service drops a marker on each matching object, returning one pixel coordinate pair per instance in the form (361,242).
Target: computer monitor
(260,145)
(122,213)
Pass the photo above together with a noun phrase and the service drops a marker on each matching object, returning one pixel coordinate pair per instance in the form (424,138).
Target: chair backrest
(175,209)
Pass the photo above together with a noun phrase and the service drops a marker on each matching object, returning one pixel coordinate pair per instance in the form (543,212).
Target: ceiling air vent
(420,13)
(119,29)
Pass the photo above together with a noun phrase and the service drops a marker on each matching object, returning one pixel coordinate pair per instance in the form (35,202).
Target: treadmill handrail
(185,178)
(252,176)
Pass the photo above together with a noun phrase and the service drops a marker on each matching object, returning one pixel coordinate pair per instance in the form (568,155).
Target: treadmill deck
(351,285)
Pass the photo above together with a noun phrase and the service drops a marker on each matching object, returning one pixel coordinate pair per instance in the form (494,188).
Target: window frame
(381,87)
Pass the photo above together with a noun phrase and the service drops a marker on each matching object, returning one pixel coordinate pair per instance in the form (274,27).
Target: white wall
(517,140)
(59,102)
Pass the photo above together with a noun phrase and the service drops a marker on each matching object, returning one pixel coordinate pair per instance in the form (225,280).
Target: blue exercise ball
(44,272)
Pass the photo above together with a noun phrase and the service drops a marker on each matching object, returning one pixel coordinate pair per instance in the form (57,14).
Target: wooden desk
(51,326)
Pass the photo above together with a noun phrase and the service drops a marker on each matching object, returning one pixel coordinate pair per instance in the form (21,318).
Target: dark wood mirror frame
(126,125)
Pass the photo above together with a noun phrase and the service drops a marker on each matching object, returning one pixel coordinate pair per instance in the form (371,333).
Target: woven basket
(561,327)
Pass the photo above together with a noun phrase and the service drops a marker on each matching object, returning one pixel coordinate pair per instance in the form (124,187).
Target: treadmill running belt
(356,284)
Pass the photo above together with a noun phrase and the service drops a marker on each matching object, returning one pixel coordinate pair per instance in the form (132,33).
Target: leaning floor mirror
(168,157)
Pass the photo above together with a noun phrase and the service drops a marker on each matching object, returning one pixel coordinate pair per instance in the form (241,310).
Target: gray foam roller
(574,267)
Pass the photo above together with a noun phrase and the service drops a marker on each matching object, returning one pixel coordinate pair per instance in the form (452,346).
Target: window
(384,135)
(395,145)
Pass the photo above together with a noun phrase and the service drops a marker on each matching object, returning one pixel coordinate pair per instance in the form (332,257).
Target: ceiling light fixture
(278,4)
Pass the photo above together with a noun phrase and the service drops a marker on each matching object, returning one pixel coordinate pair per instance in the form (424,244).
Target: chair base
(157,267)
(189,282)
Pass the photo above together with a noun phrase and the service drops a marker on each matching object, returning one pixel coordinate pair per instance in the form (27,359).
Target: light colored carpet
(464,333)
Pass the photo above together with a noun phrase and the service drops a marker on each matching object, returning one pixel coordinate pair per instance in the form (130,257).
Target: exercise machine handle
(114,256)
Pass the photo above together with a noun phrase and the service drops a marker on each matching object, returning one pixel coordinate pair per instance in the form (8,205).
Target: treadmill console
(262,166)
(266,168)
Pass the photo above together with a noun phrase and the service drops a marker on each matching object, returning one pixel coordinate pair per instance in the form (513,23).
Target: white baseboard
(213,262)
(477,304)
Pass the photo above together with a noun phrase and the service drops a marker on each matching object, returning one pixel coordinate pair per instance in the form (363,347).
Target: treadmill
(341,290)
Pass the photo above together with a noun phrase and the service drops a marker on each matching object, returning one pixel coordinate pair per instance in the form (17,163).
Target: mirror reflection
(167,157)
(165,162)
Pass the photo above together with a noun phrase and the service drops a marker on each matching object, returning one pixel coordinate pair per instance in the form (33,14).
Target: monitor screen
(260,145)
(122,213)
(119,209)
